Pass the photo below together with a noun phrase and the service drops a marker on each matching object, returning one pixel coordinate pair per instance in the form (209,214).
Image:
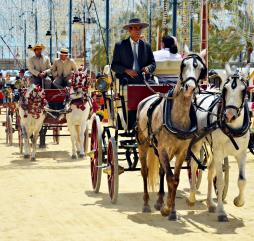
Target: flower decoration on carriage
(33,101)
(79,81)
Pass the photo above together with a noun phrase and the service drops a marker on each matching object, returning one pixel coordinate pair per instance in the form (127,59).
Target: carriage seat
(167,71)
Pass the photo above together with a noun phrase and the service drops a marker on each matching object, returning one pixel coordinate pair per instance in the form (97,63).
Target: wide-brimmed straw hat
(38,46)
(64,51)
(135,22)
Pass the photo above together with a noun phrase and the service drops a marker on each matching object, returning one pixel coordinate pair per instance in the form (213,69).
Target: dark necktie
(136,65)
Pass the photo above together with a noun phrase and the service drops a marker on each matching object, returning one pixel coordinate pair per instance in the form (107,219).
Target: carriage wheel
(20,136)
(225,167)
(9,130)
(112,165)
(251,143)
(199,172)
(96,157)
(86,139)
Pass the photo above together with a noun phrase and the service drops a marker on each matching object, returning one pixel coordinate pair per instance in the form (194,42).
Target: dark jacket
(123,59)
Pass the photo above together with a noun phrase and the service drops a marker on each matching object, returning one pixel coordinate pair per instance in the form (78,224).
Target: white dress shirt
(132,46)
(164,54)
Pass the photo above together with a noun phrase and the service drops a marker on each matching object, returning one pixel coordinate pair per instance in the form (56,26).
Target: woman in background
(169,50)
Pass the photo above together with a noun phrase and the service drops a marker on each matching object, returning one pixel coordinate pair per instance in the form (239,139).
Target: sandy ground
(52,200)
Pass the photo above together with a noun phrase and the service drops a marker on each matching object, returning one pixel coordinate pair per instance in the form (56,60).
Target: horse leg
(222,216)
(144,171)
(73,140)
(160,202)
(241,160)
(82,140)
(26,143)
(209,201)
(78,141)
(192,197)
(174,183)
(164,160)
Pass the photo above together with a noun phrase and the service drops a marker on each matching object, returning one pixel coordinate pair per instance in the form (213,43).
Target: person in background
(95,106)
(62,69)
(2,80)
(169,50)
(39,65)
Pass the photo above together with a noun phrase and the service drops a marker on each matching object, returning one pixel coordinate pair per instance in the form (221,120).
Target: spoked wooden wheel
(9,129)
(96,154)
(86,139)
(112,167)
(20,136)
(225,169)
(199,172)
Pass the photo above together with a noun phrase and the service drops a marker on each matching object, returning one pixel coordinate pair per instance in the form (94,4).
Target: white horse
(32,115)
(78,114)
(233,119)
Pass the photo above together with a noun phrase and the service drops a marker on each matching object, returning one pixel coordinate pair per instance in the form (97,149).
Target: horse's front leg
(174,184)
(73,140)
(82,139)
(192,197)
(165,163)
(27,150)
(160,202)
(210,203)
(218,156)
(241,161)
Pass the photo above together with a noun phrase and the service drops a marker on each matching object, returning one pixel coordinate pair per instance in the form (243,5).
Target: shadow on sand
(131,203)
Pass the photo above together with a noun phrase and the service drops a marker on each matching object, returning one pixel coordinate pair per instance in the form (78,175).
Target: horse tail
(153,165)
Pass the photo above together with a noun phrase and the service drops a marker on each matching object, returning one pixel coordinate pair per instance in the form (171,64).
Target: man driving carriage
(39,65)
(132,56)
(62,69)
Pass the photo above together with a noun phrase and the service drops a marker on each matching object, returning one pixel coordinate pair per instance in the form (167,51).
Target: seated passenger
(168,61)
(169,50)
(2,80)
(62,69)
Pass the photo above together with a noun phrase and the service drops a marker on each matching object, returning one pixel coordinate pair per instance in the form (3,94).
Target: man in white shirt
(62,69)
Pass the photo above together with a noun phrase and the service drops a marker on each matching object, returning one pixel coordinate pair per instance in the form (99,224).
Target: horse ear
(228,69)
(186,50)
(203,53)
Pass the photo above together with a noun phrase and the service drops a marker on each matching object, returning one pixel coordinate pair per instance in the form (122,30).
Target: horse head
(234,92)
(193,69)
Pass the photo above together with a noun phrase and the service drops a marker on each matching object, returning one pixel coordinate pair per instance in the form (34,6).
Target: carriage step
(108,170)
(91,154)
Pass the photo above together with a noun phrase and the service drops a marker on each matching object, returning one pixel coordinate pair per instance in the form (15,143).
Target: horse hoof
(165,211)
(158,206)
(146,209)
(172,216)
(73,157)
(33,159)
(81,156)
(27,156)
(190,203)
(222,218)
(238,203)
(211,209)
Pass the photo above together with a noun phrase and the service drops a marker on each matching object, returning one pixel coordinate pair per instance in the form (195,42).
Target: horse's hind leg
(82,139)
(144,171)
(210,203)
(160,202)
(239,200)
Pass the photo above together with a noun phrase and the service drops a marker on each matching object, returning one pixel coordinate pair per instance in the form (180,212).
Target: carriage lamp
(48,34)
